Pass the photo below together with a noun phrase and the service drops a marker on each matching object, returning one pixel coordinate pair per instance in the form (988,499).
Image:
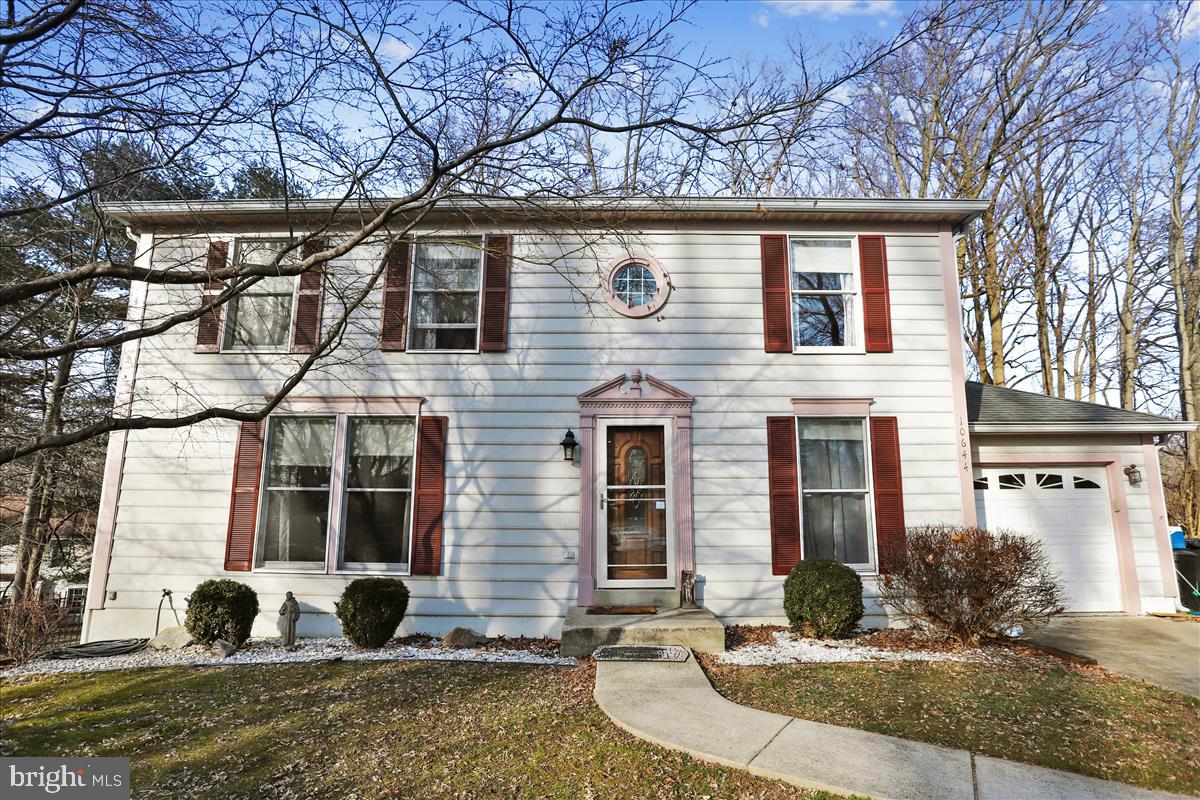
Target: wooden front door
(635,508)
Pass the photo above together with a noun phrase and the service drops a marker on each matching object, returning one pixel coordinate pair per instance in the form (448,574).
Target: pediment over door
(635,389)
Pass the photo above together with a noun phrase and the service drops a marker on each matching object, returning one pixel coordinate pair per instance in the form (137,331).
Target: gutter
(1166,426)
(960,212)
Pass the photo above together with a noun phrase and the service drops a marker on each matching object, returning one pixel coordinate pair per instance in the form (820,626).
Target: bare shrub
(28,626)
(972,584)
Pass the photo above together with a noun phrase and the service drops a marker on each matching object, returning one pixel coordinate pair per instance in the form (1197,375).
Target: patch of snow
(269,651)
(792,649)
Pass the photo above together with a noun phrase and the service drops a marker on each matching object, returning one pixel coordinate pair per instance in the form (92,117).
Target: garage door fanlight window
(1085,483)
(1049,480)
(1014,480)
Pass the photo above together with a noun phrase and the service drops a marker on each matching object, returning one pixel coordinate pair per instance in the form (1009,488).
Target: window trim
(412,289)
(869,567)
(227,318)
(340,410)
(662,284)
(857,343)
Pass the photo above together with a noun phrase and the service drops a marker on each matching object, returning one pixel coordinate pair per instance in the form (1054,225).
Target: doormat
(640,652)
(622,610)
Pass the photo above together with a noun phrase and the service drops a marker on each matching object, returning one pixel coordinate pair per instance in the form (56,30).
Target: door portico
(635,411)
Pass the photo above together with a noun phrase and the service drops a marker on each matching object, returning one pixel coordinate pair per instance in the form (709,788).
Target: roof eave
(953,212)
(1166,426)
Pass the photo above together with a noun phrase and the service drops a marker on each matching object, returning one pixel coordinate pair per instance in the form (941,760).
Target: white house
(750,382)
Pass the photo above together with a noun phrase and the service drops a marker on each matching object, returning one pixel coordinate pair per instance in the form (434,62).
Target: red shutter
(306,326)
(877,306)
(243,506)
(497,269)
(429,496)
(395,296)
(889,492)
(784,494)
(777,294)
(208,331)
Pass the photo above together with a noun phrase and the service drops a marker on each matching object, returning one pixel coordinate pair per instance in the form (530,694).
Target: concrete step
(695,628)
(659,598)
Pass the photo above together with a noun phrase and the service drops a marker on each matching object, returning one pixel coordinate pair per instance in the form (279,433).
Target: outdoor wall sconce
(1134,474)
(568,445)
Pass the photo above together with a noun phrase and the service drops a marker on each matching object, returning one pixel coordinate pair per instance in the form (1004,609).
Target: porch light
(568,445)
(1134,474)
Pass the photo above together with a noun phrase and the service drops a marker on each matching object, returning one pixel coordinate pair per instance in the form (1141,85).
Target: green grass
(1077,719)
(364,730)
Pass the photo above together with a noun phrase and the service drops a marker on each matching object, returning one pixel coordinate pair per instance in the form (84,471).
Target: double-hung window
(447,279)
(338,484)
(260,316)
(825,295)
(835,490)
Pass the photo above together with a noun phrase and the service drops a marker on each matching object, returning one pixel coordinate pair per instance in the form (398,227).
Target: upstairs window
(447,278)
(260,316)
(824,294)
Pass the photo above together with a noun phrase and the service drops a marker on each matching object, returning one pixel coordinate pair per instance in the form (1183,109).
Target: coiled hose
(108,647)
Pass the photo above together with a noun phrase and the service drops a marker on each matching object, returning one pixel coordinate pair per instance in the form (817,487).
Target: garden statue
(290,611)
(687,591)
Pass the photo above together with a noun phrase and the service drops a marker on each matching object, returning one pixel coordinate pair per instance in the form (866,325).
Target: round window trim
(662,285)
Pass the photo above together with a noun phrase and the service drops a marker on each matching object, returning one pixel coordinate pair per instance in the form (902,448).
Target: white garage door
(1066,508)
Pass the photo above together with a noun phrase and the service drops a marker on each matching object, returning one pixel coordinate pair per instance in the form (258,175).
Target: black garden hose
(108,647)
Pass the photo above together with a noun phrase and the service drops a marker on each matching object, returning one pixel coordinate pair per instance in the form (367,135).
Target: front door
(636,544)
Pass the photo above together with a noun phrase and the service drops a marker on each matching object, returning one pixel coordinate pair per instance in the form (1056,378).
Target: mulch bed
(909,640)
(542,646)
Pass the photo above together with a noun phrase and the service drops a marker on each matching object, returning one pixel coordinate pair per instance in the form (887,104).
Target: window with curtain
(834,489)
(369,487)
(447,278)
(379,460)
(260,316)
(296,491)
(824,293)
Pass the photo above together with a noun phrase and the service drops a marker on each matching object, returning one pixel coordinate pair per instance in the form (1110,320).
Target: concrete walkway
(675,706)
(1164,652)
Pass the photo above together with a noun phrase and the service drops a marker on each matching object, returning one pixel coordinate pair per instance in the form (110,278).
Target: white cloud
(392,47)
(832,9)
(1191,20)
(761,18)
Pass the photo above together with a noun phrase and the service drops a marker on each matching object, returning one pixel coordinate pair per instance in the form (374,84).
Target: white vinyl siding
(512,504)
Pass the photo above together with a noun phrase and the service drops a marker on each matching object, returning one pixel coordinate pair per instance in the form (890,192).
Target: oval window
(636,286)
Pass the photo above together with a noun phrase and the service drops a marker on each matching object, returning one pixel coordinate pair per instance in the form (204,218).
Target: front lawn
(1038,711)
(357,730)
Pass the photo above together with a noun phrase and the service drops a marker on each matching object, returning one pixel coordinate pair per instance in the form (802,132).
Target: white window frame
(227,318)
(855,333)
(869,567)
(335,528)
(412,290)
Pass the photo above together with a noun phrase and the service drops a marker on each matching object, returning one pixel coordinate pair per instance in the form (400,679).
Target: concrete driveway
(1164,652)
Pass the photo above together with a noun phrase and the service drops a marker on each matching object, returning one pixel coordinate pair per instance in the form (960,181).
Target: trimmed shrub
(221,609)
(970,584)
(371,609)
(823,598)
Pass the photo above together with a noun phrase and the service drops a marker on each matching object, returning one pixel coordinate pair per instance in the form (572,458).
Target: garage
(1068,510)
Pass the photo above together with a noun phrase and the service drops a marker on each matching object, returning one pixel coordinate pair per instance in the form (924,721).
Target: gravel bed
(792,649)
(269,651)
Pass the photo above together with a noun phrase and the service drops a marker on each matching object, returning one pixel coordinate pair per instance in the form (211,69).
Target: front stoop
(695,628)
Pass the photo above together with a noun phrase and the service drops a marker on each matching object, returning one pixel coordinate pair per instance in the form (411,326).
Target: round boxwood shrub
(221,609)
(823,598)
(371,609)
